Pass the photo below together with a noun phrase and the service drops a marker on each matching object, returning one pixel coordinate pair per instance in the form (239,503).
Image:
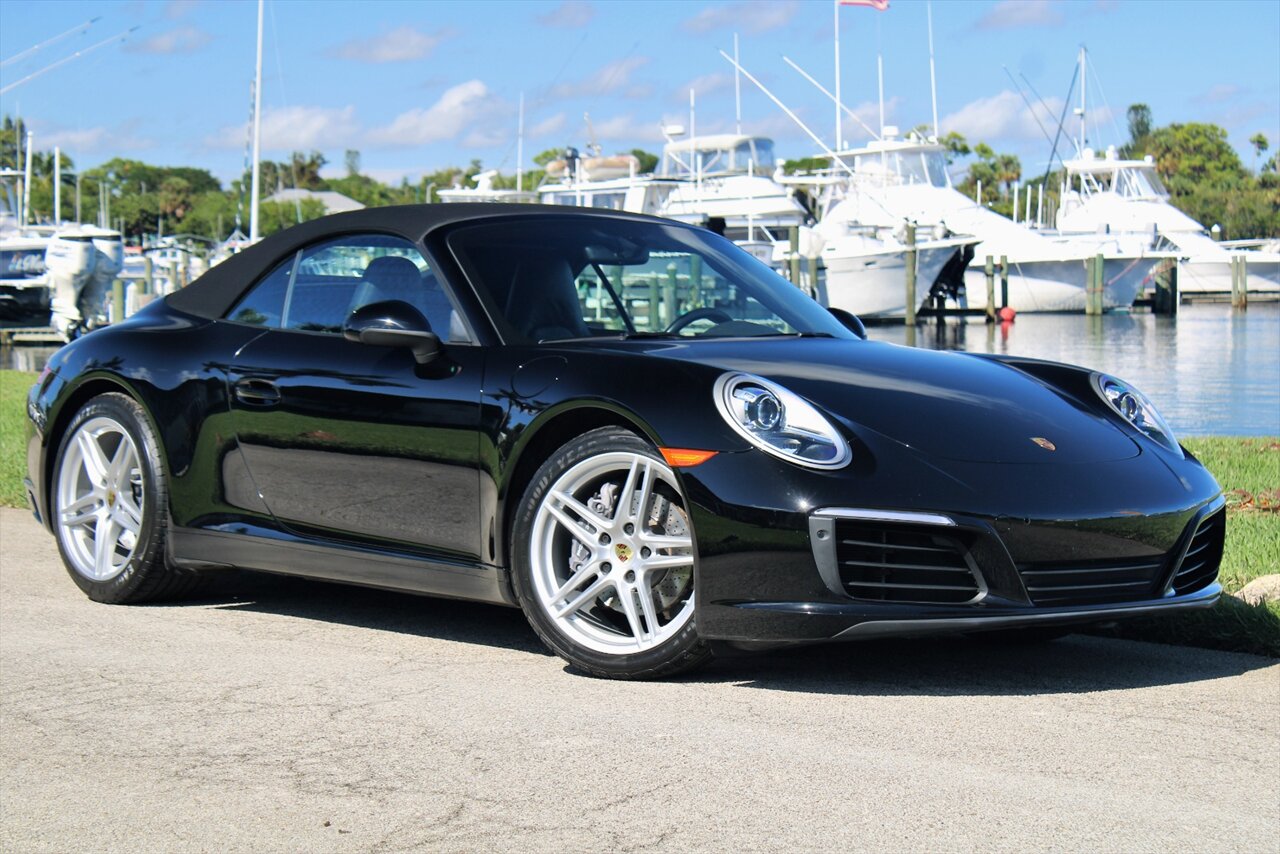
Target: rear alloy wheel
(108,505)
(604,559)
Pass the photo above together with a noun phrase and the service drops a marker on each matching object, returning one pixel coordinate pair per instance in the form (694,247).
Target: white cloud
(1218,94)
(177,9)
(1015,14)
(184,39)
(626,129)
(612,78)
(546,127)
(95,140)
(706,84)
(403,44)
(468,107)
(296,128)
(751,16)
(571,14)
(1005,117)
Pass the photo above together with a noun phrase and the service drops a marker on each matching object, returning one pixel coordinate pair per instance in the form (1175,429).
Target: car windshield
(560,278)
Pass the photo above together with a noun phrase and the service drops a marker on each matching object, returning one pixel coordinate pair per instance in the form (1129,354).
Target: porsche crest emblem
(1044,443)
(623,551)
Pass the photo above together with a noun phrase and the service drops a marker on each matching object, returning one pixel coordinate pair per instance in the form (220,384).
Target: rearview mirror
(849,321)
(393,323)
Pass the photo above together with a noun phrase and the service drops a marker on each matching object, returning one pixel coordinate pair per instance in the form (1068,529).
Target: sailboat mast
(26,183)
(519,149)
(933,77)
(1083,87)
(880,75)
(838,144)
(257,136)
(737,91)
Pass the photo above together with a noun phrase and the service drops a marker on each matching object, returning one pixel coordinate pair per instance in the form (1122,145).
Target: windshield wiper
(628,336)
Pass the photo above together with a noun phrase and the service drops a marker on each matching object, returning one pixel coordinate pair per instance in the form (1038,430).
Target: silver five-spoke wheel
(612,555)
(100,499)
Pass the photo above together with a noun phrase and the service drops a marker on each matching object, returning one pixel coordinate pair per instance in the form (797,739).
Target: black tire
(146,577)
(682,652)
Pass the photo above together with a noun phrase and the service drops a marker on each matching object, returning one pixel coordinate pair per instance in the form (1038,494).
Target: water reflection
(1210,370)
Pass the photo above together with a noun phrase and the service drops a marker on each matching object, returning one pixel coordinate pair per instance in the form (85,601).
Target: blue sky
(420,86)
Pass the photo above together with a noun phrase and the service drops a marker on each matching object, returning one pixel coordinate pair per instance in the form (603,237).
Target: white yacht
(484,191)
(897,179)
(729,177)
(1109,202)
(24,281)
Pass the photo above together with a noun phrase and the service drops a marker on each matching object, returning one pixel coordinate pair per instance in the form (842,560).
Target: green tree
(542,158)
(1139,116)
(1260,145)
(648,161)
(1193,154)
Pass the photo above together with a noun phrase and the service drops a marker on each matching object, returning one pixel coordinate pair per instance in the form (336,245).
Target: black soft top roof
(214,293)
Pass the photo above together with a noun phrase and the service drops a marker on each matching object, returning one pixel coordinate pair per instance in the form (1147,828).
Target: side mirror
(849,321)
(393,323)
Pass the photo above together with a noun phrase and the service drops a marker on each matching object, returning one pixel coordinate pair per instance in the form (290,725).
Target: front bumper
(769,576)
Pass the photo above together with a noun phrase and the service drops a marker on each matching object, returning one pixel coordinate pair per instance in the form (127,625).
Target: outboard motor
(82,262)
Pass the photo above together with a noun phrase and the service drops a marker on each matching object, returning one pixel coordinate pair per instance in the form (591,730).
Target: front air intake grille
(904,563)
(1199,565)
(1093,582)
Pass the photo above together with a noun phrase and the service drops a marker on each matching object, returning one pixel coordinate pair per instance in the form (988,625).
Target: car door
(355,442)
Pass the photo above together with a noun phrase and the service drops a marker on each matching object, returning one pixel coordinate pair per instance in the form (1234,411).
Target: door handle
(257,392)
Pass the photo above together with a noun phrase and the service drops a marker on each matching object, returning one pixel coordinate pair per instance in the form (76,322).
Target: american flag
(878,5)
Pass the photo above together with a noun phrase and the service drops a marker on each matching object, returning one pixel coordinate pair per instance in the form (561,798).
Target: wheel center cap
(623,551)
(111,498)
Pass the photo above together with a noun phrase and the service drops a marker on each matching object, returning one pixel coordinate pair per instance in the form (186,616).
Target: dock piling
(669,292)
(1239,282)
(117,301)
(911,274)
(1166,295)
(990,269)
(148,275)
(1093,285)
(655,323)
(793,239)
(1004,281)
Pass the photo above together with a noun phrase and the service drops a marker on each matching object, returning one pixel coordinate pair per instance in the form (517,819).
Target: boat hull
(875,285)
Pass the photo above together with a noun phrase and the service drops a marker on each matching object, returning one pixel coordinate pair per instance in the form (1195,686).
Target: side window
(335,278)
(263,305)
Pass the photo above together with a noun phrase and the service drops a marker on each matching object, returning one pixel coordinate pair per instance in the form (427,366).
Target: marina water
(1210,370)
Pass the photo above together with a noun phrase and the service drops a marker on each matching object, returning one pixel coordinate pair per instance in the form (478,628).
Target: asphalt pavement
(276,714)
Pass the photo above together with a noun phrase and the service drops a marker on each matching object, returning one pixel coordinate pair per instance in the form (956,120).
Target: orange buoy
(1007,314)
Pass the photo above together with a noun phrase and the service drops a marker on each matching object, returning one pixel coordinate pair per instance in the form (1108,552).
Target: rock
(1264,589)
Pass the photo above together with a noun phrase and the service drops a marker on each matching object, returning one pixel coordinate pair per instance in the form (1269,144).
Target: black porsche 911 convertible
(627,427)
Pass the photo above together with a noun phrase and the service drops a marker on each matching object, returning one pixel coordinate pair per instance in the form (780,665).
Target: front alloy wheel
(100,499)
(109,505)
(606,557)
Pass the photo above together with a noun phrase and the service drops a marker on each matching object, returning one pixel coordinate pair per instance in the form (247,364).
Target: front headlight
(1133,406)
(779,422)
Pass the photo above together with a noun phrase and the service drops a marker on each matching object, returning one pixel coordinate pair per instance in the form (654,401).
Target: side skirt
(195,548)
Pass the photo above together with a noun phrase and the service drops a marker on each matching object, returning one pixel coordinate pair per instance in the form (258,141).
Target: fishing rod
(61,62)
(31,50)
(824,91)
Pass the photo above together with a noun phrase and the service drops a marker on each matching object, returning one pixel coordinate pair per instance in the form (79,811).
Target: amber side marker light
(685,458)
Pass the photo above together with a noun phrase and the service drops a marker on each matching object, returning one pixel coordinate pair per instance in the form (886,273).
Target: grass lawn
(1247,468)
(13,452)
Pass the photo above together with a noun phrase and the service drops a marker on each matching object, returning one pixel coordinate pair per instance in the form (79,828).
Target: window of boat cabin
(318,288)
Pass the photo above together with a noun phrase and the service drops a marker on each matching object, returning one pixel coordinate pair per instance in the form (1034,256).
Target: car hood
(950,405)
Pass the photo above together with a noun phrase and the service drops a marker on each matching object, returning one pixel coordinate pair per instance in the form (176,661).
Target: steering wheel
(704,313)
